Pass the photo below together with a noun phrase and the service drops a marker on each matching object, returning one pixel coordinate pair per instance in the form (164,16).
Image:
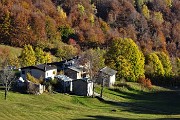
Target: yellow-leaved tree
(125,57)
(27,56)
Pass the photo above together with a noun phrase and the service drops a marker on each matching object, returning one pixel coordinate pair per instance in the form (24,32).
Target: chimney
(44,68)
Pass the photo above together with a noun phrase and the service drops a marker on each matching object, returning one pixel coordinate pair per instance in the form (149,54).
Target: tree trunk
(93,90)
(101,91)
(5,94)
(102,86)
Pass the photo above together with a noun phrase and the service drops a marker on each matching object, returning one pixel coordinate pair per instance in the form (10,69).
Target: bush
(32,88)
(145,82)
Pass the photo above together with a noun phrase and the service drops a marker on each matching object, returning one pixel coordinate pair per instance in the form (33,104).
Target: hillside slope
(132,104)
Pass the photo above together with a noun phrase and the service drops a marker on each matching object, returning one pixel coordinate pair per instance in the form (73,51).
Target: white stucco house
(107,76)
(39,71)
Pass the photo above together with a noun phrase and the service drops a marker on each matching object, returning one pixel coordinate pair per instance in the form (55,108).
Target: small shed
(65,83)
(108,76)
(83,87)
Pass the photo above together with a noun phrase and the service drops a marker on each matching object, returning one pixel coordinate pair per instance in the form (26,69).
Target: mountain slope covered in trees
(66,28)
(153,24)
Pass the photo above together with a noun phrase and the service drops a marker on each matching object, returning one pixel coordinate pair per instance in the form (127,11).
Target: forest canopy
(153,24)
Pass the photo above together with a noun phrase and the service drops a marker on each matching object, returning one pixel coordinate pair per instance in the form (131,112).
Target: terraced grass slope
(130,104)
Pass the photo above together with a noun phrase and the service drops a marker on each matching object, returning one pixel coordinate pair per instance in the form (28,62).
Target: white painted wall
(39,73)
(51,73)
(90,89)
(112,80)
(41,88)
(79,75)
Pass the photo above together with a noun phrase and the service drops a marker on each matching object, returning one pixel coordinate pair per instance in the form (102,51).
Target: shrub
(145,82)
(32,79)
(32,88)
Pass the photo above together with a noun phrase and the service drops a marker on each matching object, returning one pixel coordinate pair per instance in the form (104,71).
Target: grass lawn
(132,104)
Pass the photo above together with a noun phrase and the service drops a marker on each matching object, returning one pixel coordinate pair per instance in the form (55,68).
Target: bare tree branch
(7,76)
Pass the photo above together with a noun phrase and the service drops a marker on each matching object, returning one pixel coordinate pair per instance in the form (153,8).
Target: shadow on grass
(1,87)
(162,102)
(99,117)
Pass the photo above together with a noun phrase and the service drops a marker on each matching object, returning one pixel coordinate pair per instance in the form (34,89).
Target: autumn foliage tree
(5,26)
(166,63)
(28,57)
(40,55)
(125,48)
(154,66)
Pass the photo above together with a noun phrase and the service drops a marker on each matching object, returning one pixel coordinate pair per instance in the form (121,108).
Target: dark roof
(42,67)
(75,69)
(108,71)
(87,80)
(57,63)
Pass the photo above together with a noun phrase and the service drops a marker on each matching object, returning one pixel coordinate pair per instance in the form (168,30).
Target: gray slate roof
(63,77)
(75,69)
(42,67)
(108,71)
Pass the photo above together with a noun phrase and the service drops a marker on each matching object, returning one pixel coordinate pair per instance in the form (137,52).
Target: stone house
(83,87)
(107,76)
(39,71)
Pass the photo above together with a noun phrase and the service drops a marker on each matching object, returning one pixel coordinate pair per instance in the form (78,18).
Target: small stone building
(42,70)
(74,72)
(65,83)
(107,76)
(83,87)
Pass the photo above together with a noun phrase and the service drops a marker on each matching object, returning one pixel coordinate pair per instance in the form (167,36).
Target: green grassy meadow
(129,102)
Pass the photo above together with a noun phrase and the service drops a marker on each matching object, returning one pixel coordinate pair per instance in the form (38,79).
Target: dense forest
(65,28)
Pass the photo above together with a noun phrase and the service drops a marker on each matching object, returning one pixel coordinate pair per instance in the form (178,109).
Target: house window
(23,72)
(47,74)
